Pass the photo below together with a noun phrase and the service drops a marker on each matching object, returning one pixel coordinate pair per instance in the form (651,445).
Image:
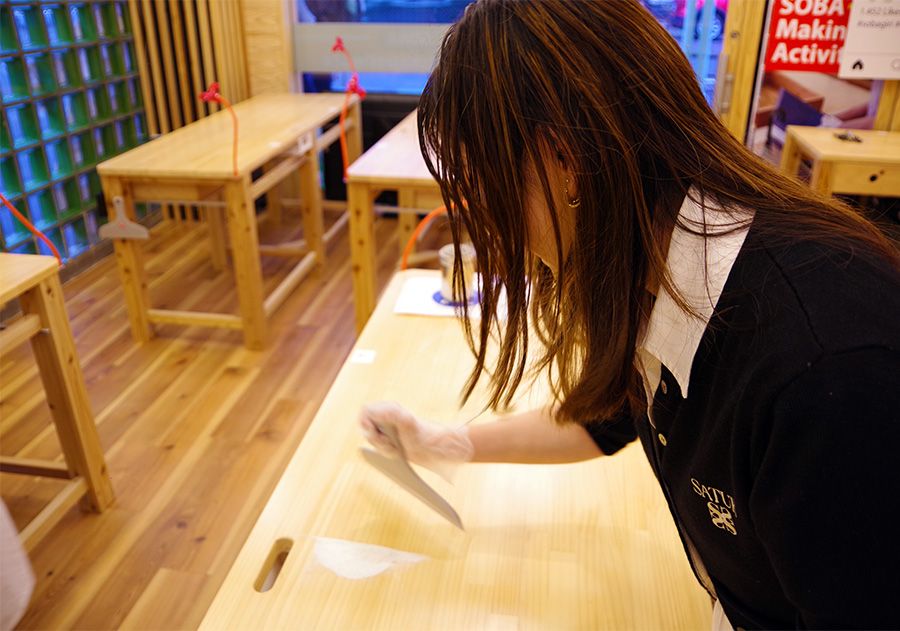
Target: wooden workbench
(278,133)
(394,163)
(589,545)
(34,280)
(870,167)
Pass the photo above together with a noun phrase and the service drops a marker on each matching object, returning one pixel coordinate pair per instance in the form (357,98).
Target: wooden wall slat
(171,72)
(179,43)
(137,26)
(182,47)
(209,60)
(190,22)
(157,97)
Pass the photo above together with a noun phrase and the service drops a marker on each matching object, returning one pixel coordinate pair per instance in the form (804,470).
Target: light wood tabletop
(394,159)
(868,167)
(18,273)
(588,545)
(823,143)
(268,125)
(394,163)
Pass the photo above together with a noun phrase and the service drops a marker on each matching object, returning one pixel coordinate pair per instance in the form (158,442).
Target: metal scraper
(398,470)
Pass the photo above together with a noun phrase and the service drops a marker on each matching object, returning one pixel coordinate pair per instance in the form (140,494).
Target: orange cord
(353,87)
(37,233)
(234,149)
(211,95)
(415,235)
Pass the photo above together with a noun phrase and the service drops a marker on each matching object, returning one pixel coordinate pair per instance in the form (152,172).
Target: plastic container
(5,140)
(109,60)
(51,121)
(66,198)
(22,125)
(28,23)
(59,160)
(84,28)
(89,64)
(447,256)
(75,111)
(88,188)
(134,94)
(98,106)
(56,237)
(92,222)
(32,168)
(41,209)
(76,237)
(129,133)
(66,69)
(9,178)
(39,69)
(59,31)
(13,86)
(126,58)
(140,129)
(25,248)
(13,231)
(8,41)
(117,95)
(104,142)
(82,149)
(123,18)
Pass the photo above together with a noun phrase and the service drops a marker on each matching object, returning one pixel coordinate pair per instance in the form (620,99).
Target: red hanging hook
(353,87)
(212,95)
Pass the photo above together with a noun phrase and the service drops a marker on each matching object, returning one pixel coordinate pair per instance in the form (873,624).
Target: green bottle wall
(71,98)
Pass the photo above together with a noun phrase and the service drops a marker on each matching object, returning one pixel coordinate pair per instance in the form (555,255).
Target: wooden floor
(196,431)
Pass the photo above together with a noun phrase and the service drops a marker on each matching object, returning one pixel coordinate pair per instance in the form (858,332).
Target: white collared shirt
(698,268)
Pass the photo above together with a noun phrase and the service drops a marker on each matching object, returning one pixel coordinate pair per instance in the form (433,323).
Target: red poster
(807,35)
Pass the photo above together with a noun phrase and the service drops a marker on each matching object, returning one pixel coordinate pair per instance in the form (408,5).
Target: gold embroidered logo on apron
(721,506)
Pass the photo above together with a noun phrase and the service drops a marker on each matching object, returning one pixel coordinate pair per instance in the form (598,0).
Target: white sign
(872,48)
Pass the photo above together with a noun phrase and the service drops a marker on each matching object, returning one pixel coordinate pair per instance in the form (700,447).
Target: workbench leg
(790,155)
(217,241)
(406,221)
(362,250)
(354,134)
(313,221)
(130,261)
(273,201)
(54,351)
(245,255)
(820,179)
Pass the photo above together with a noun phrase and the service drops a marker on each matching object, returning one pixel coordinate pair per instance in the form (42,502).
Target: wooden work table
(279,133)
(868,167)
(589,545)
(34,280)
(394,163)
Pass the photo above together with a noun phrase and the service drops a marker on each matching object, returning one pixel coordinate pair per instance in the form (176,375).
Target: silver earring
(573,203)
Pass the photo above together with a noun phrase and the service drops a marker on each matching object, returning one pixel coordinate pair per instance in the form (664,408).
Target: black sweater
(781,466)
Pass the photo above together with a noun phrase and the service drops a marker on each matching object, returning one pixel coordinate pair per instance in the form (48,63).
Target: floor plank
(196,431)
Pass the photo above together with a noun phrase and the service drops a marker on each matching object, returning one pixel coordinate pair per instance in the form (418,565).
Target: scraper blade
(398,470)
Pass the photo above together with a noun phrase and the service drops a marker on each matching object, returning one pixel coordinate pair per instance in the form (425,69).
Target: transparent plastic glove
(430,445)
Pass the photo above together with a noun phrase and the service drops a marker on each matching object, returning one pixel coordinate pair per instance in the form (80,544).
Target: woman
(685,293)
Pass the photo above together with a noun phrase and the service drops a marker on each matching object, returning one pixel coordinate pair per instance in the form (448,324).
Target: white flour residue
(349,559)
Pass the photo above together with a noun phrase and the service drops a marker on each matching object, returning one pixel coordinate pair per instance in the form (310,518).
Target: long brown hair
(608,88)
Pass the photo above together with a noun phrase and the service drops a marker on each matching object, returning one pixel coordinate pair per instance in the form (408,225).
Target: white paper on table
(354,560)
(416,297)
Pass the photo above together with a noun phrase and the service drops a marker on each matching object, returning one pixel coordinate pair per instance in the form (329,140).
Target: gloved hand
(431,445)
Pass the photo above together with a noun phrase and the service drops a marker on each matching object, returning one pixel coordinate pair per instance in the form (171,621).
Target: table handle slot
(270,570)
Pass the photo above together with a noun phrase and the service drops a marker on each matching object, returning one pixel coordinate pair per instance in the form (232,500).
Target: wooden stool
(35,281)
